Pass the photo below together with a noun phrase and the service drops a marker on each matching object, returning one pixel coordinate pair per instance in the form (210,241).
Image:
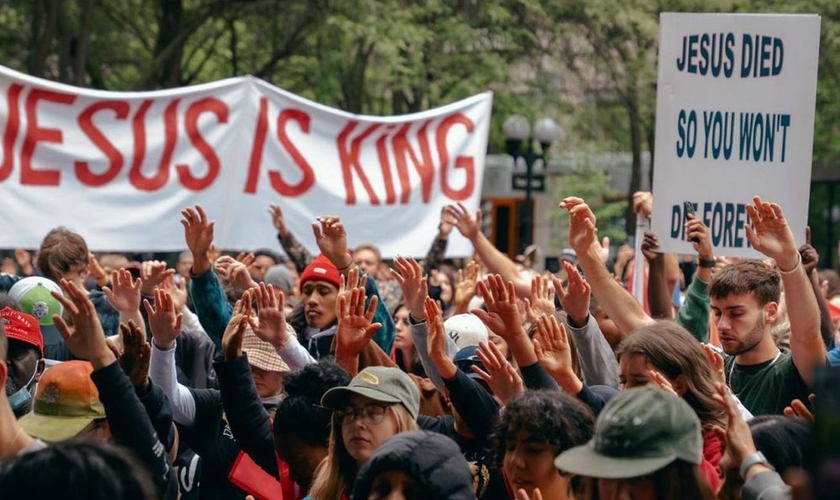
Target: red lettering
(208,105)
(350,162)
(257,148)
(10,135)
(274,176)
(83,171)
(465,162)
(170,130)
(385,163)
(36,134)
(426,169)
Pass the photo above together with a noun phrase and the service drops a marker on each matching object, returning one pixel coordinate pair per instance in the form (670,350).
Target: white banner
(734,118)
(119,167)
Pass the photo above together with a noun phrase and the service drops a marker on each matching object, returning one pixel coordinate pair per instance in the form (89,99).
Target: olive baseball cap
(379,383)
(638,432)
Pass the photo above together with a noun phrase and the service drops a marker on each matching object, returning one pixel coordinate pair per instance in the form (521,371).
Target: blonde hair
(337,472)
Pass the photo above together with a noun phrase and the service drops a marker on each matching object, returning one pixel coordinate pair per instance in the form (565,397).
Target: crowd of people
(336,376)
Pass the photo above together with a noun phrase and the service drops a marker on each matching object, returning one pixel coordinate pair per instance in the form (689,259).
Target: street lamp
(520,144)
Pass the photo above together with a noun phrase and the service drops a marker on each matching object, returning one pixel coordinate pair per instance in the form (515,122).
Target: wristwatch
(754,459)
(708,263)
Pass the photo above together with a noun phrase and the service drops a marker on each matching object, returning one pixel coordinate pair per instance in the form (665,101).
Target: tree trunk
(170,24)
(636,148)
(44,15)
(82,42)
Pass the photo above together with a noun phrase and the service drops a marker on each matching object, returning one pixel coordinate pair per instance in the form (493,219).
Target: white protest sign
(119,167)
(734,119)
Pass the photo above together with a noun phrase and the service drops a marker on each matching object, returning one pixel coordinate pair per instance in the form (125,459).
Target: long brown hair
(672,350)
(679,479)
(337,472)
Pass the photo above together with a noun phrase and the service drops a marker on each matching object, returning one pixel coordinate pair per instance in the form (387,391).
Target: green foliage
(593,185)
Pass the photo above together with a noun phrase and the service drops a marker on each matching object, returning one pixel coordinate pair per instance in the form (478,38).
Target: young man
(23,357)
(12,438)
(745,301)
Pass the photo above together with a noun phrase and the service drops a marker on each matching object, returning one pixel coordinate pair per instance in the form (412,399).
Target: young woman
(665,354)
(647,446)
(405,354)
(380,402)
(532,430)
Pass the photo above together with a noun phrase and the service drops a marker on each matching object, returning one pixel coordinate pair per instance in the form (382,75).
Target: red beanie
(321,269)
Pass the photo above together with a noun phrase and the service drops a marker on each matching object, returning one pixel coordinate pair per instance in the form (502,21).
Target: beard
(750,339)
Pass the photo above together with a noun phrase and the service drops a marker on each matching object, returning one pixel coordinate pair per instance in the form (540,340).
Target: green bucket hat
(379,383)
(638,432)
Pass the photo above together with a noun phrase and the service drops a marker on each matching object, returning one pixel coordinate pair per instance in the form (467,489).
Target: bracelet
(348,266)
(708,263)
(793,270)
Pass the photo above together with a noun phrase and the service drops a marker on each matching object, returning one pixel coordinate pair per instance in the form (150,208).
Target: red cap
(23,327)
(321,269)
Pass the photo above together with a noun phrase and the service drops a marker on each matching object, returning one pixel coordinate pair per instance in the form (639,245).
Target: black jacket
(432,459)
(131,426)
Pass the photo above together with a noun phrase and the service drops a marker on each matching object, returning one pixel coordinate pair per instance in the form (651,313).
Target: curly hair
(300,412)
(548,416)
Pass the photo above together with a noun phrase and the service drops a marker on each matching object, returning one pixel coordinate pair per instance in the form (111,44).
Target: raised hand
(810,257)
(234,272)
(715,361)
(135,357)
(235,331)
(178,292)
(278,220)
(696,230)
(643,203)
(85,338)
(660,381)
(446,224)
(355,324)
(124,292)
(465,288)
(331,237)
(271,316)
(153,273)
(354,279)
(467,225)
(24,260)
(198,230)
(772,235)
(797,409)
(165,320)
(582,232)
(523,495)
(575,300)
(95,269)
(502,316)
(554,353)
(737,436)
(542,297)
(436,340)
(502,378)
(649,246)
(415,289)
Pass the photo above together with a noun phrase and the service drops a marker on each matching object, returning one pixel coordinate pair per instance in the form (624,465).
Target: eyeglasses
(371,414)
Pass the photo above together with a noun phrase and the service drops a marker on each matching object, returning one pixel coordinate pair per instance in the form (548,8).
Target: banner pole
(639,263)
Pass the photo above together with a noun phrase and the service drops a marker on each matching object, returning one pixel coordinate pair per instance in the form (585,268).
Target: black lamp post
(521,144)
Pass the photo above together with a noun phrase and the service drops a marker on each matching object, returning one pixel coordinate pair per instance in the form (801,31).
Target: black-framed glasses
(371,414)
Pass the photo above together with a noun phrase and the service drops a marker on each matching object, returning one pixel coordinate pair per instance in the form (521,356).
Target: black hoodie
(433,460)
